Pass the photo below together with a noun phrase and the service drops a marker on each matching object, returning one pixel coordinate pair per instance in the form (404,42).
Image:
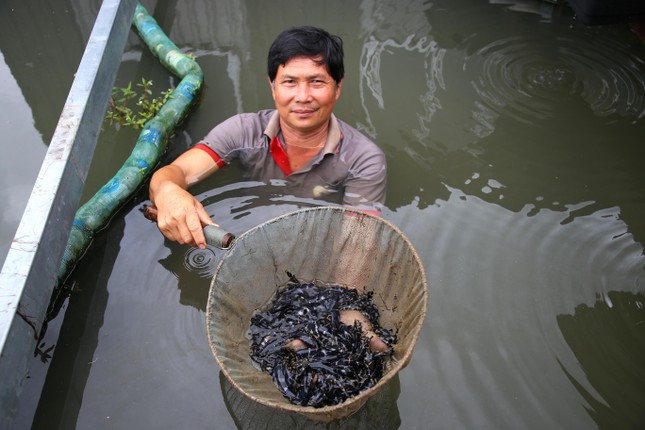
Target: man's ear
(339,85)
(272,85)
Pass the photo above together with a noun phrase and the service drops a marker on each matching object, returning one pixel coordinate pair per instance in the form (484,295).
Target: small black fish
(312,356)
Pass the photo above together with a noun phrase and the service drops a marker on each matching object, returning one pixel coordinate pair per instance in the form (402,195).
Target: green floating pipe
(152,142)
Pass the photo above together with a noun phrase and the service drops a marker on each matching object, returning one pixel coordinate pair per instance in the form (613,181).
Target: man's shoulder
(248,123)
(355,139)
(262,116)
(239,130)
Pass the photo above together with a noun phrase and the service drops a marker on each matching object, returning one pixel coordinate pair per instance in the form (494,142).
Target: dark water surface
(515,139)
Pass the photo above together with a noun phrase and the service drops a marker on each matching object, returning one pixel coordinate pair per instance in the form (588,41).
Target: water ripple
(201,262)
(503,287)
(527,79)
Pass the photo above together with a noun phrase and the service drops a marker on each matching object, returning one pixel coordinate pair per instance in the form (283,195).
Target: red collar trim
(280,156)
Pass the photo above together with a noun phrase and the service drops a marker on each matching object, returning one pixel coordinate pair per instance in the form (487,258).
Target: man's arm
(180,215)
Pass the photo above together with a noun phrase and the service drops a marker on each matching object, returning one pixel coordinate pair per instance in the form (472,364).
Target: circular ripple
(201,262)
(532,79)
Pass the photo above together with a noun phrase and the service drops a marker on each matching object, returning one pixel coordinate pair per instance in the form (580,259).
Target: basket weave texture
(330,244)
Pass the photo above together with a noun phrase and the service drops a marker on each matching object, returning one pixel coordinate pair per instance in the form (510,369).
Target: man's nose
(303,92)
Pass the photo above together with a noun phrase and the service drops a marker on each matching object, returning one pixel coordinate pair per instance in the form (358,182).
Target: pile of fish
(322,344)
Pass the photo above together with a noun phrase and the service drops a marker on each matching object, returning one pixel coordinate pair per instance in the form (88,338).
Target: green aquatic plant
(146,106)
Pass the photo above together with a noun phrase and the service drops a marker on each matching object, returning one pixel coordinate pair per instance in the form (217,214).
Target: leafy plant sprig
(146,106)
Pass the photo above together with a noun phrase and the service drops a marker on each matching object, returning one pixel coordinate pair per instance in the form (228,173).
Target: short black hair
(306,41)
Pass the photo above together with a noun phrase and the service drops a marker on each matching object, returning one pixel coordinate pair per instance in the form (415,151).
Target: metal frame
(29,274)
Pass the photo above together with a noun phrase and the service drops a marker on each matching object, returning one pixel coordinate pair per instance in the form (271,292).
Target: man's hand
(180,215)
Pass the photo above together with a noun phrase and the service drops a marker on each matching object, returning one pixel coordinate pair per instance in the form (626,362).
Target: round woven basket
(328,244)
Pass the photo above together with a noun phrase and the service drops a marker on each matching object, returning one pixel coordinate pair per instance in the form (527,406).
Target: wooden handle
(215,236)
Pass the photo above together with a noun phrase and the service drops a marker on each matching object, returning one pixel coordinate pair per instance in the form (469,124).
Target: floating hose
(152,142)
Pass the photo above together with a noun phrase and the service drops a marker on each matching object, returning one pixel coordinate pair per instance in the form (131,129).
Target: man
(300,142)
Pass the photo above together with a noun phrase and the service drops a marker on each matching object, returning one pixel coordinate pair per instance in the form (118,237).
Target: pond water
(514,141)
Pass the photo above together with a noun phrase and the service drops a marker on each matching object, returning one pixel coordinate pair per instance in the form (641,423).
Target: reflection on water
(17,127)
(514,143)
(213,30)
(498,281)
(36,73)
(389,26)
(608,340)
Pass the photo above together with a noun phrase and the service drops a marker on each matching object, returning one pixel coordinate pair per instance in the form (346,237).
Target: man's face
(304,94)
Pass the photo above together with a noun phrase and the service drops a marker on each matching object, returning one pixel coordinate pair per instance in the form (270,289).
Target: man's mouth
(304,111)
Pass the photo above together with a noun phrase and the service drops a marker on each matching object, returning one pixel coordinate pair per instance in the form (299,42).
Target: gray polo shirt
(350,169)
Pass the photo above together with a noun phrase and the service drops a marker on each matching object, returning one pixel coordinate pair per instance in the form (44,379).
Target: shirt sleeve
(228,137)
(216,158)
